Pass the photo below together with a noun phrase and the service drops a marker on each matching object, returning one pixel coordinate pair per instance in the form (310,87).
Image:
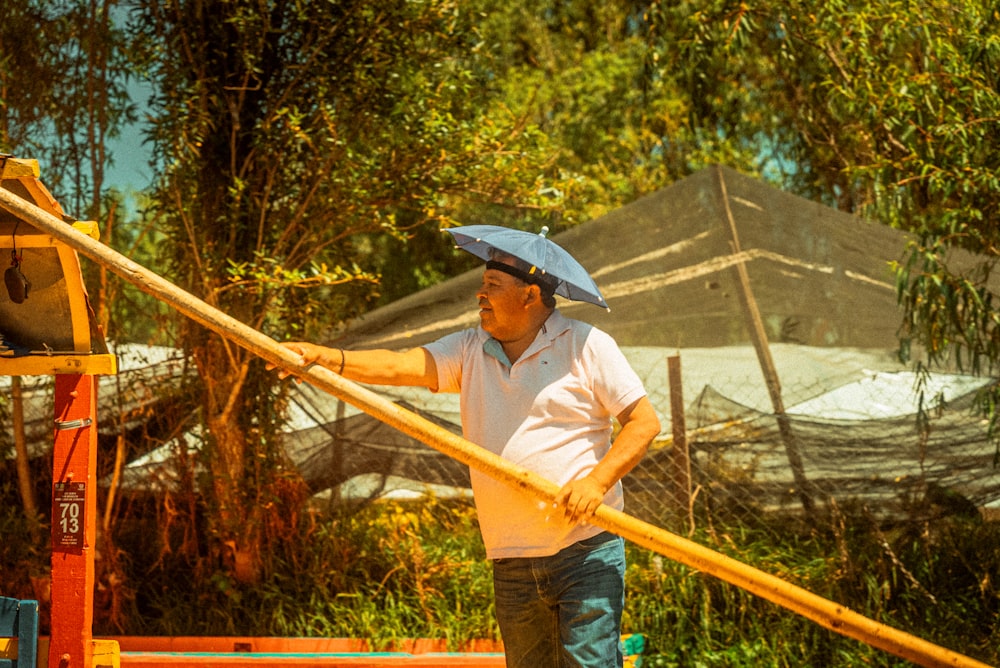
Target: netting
(876,438)
(126,401)
(861,425)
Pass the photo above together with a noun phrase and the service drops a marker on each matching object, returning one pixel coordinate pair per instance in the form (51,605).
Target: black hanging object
(16,282)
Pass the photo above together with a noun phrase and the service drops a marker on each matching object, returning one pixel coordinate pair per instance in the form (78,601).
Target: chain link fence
(855,427)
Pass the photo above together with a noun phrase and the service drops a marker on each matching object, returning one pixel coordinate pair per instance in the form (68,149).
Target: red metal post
(74,521)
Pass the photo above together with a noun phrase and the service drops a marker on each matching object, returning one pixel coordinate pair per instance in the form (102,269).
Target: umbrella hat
(537,252)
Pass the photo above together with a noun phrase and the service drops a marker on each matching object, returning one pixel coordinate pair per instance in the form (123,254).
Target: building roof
(667,266)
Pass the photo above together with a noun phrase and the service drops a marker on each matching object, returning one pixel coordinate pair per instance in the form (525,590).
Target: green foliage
(385,572)
(22,556)
(63,93)
(308,141)
(919,583)
(586,74)
(889,109)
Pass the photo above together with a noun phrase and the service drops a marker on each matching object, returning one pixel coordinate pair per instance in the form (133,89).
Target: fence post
(680,455)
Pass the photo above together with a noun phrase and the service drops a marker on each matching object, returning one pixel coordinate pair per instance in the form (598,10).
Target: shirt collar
(553,326)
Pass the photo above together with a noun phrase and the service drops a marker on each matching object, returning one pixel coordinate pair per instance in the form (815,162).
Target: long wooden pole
(758,335)
(826,613)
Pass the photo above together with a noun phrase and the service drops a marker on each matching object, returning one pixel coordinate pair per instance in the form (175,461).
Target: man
(540,390)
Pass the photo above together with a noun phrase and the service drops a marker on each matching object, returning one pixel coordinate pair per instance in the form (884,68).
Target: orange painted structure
(47,327)
(241,652)
(74,501)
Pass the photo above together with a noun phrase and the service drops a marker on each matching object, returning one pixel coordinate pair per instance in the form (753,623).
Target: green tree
(587,74)
(295,138)
(63,93)
(889,109)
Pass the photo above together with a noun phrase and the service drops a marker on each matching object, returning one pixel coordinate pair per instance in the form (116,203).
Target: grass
(384,573)
(389,571)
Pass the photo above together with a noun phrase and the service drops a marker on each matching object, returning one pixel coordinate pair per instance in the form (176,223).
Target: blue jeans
(563,611)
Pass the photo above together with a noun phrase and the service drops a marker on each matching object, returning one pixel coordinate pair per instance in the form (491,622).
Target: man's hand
(309,352)
(580,499)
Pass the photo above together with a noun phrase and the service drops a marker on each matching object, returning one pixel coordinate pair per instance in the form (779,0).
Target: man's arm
(581,498)
(414,367)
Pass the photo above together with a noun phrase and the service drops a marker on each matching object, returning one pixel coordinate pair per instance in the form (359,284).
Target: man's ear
(534,292)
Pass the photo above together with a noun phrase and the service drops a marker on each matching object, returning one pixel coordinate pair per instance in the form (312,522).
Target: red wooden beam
(74,521)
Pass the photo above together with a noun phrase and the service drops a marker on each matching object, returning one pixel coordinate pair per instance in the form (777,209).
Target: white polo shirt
(550,412)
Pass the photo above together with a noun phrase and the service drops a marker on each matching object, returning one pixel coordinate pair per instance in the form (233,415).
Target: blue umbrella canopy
(535,250)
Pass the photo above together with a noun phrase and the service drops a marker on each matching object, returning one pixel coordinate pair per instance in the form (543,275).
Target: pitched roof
(667,266)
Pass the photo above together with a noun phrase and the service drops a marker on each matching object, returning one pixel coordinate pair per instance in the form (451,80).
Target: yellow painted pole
(826,613)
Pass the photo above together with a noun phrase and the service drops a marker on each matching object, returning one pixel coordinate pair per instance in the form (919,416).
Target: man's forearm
(639,428)
(386,367)
(377,367)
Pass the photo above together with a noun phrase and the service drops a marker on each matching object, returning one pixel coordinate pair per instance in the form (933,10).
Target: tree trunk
(237,517)
(21,450)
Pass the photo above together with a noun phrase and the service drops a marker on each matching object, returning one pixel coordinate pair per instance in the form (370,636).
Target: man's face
(501,304)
